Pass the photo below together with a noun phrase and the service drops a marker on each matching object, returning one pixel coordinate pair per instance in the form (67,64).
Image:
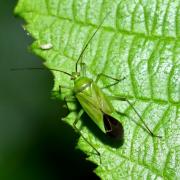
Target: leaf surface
(139,40)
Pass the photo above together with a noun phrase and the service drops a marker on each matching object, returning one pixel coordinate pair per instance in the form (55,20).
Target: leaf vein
(165,17)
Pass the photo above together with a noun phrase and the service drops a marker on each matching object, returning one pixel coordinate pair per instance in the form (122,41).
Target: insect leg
(60,88)
(69,99)
(74,125)
(107,76)
(63,87)
(145,125)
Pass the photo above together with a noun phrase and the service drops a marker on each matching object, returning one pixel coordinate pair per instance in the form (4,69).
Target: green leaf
(139,41)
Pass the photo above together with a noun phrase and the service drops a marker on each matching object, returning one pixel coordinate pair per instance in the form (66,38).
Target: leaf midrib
(140,35)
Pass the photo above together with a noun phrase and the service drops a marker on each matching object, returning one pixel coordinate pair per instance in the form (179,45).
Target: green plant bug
(94,102)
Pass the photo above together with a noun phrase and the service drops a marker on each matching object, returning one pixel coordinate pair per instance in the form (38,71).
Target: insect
(94,102)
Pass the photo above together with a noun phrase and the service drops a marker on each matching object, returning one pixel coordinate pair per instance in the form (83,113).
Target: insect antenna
(84,48)
(36,68)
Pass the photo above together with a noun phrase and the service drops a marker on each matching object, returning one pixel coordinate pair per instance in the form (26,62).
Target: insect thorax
(81,84)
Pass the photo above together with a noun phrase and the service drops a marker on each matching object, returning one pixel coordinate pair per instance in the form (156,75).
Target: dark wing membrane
(113,127)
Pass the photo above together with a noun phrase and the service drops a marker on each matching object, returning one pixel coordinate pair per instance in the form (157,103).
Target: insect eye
(75,75)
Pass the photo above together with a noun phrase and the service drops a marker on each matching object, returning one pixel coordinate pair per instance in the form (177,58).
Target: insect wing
(113,127)
(90,106)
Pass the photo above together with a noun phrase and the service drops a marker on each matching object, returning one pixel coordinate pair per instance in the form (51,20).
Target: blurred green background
(34,142)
